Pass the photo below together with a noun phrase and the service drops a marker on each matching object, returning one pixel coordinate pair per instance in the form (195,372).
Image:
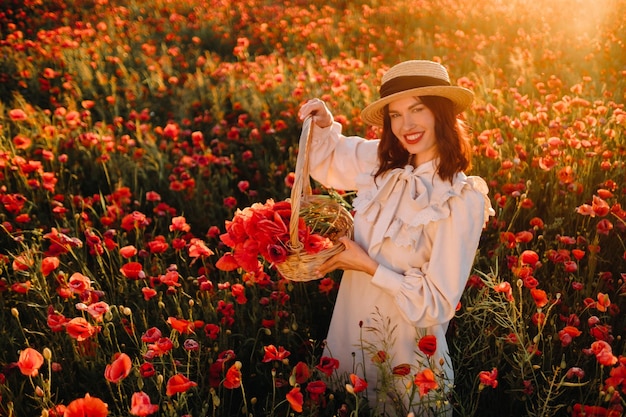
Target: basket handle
(302,183)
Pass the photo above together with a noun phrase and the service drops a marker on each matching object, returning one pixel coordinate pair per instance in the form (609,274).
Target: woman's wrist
(371,267)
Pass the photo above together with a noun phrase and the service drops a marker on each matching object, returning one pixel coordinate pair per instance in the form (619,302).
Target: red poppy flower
(21,287)
(567,334)
(87,406)
(13,203)
(301,372)
(530,282)
(146,370)
(170,279)
(316,243)
(538,319)
(96,310)
(601,332)
(22,142)
(425,382)
(233,376)
(474,281)
(295,399)
(540,297)
(401,370)
(276,253)
(161,347)
(17,115)
(239,292)
(128,251)
(508,239)
(148,293)
(529,257)
(158,245)
(600,207)
(326,285)
(358,384)
(119,369)
(570,266)
(316,389)
(268,227)
(30,361)
(327,365)
(603,227)
(191,345)
(179,224)
(56,321)
(49,264)
(22,218)
(57,411)
(211,330)
(536,222)
(268,323)
(21,263)
(603,352)
(134,220)
(80,329)
(379,357)
(151,335)
(505,288)
(246,255)
(489,378)
(198,249)
(177,384)
(227,263)
(274,354)
(140,405)
(290,179)
(580,410)
(575,372)
(79,283)
(428,345)
(604,302)
(181,326)
(524,236)
(230,202)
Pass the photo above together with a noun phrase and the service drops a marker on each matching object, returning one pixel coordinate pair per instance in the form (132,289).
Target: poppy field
(135,135)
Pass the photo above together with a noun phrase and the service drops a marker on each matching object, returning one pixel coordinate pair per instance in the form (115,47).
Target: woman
(418,219)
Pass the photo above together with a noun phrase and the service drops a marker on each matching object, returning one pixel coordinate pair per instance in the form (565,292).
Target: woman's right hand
(316,108)
(353,258)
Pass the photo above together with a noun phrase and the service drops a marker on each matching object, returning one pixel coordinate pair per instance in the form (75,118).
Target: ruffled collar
(407,198)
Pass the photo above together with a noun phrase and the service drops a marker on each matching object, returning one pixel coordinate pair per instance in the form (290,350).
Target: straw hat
(415,78)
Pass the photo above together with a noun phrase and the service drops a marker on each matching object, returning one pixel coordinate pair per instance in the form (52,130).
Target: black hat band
(408,82)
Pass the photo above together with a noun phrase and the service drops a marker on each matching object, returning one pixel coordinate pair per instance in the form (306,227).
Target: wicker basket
(299,265)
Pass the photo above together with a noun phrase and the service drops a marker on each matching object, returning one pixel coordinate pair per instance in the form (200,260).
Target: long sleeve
(335,160)
(429,295)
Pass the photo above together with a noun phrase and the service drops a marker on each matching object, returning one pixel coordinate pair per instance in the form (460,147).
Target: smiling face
(414,125)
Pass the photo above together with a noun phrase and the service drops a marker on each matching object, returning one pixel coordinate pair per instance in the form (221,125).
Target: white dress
(424,234)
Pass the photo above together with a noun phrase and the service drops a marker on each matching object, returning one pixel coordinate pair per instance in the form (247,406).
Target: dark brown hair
(453,147)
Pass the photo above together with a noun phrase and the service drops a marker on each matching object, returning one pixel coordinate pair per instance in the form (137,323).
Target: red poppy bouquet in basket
(295,236)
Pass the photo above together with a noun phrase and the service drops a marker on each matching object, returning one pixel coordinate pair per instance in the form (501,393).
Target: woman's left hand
(353,257)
